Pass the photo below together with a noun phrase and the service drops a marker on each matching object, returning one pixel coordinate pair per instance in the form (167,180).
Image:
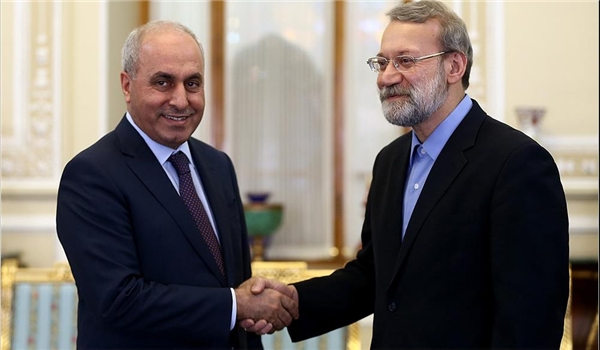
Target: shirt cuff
(233,309)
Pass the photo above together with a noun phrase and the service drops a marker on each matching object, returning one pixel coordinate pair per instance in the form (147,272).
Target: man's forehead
(410,34)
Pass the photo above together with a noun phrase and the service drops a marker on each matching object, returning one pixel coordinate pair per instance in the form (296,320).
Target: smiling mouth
(175,118)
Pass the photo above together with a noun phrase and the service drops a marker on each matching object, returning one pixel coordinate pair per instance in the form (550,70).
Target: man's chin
(396,121)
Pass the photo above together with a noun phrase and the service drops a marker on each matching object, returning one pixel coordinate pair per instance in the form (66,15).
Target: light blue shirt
(162,154)
(423,156)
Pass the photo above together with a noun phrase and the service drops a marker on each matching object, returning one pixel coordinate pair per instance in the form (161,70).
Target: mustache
(394,90)
(184,112)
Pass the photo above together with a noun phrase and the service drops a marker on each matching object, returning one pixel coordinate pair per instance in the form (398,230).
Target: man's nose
(389,76)
(179,97)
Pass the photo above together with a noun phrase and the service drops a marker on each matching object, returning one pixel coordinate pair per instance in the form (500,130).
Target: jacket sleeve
(529,251)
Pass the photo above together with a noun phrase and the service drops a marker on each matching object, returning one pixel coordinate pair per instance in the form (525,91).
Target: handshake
(265,306)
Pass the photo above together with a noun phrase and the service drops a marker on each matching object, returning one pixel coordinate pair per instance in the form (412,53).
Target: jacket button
(392,307)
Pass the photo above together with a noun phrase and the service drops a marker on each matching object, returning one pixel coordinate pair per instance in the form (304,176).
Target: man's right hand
(262,302)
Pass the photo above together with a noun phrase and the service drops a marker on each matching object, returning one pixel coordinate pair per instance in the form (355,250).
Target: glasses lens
(404,63)
(377,64)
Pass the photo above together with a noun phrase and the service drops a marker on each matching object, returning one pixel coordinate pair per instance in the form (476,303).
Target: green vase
(262,220)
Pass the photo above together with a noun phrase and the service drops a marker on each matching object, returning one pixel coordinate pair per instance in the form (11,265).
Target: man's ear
(458,65)
(126,86)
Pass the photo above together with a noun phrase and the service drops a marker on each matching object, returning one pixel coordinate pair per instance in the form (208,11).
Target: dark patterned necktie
(187,191)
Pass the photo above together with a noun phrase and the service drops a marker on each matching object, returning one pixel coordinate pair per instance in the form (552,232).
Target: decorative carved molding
(31,223)
(577,161)
(471,12)
(9,270)
(30,150)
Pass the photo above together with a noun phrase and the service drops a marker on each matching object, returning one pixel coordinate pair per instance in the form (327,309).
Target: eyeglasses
(402,63)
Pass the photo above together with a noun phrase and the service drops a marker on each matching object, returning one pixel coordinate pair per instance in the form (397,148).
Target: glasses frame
(394,61)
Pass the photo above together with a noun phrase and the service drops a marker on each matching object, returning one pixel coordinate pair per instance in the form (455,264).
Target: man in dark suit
(465,238)
(150,272)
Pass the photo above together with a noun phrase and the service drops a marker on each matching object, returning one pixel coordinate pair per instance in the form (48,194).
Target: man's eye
(405,60)
(193,85)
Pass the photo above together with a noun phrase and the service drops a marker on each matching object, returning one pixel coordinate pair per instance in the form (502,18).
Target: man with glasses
(465,238)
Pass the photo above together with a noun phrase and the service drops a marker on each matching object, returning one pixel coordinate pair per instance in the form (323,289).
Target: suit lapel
(447,167)
(144,164)
(390,212)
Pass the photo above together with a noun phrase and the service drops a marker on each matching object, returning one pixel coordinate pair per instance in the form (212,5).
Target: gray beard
(423,101)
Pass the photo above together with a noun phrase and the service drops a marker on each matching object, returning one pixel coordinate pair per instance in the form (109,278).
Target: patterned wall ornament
(30,137)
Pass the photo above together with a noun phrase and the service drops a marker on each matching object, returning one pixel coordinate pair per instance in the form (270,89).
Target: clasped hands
(265,306)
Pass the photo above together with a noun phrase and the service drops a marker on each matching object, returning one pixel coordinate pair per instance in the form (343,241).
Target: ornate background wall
(60,93)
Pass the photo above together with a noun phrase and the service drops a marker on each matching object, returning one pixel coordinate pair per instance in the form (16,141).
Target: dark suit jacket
(484,262)
(145,277)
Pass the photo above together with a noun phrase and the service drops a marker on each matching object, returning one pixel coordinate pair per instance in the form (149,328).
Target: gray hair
(454,35)
(131,49)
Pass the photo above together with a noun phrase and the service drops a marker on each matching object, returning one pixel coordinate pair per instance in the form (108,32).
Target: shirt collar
(161,152)
(438,138)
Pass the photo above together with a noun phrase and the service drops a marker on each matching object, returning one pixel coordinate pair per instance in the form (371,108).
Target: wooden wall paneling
(217,52)
(338,129)
(144,11)
(584,307)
